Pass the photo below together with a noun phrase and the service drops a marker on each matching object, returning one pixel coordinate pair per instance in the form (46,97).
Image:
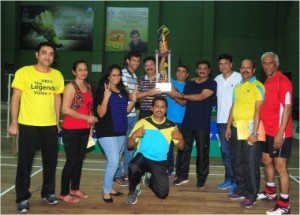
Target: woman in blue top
(111,108)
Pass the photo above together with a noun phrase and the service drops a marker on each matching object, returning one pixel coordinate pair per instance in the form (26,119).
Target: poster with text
(127,29)
(68,28)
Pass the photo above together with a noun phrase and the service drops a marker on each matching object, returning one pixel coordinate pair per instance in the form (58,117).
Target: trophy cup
(164,83)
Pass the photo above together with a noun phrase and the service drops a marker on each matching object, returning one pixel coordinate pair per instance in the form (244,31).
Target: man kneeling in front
(153,136)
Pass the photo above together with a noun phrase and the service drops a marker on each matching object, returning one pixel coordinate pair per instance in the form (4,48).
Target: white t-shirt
(225,89)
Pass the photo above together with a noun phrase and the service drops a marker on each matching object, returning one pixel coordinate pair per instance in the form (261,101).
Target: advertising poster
(68,28)
(127,29)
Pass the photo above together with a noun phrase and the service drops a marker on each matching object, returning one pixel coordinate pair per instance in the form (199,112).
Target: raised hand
(107,91)
(176,134)
(140,132)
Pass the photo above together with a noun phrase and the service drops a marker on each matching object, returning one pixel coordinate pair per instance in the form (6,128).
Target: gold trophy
(164,84)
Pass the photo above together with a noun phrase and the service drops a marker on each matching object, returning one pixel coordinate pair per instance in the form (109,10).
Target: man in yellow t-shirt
(242,127)
(35,110)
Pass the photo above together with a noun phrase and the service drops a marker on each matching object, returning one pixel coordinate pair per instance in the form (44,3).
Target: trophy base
(164,87)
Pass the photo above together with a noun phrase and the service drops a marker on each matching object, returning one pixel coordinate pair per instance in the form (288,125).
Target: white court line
(191,173)
(295,179)
(93,169)
(88,160)
(13,187)
(59,159)
(58,167)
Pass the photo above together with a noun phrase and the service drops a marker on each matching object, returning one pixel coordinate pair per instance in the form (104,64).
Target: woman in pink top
(77,105)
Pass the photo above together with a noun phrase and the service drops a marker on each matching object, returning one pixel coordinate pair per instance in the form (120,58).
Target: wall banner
(127,29)
(68,28)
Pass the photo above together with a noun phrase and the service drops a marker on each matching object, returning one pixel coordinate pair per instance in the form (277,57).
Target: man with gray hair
(276,117)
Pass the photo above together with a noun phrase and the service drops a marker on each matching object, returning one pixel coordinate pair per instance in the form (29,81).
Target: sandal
(79,193)
(69,199)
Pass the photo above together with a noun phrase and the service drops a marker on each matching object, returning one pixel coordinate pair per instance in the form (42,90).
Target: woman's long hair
(107,73)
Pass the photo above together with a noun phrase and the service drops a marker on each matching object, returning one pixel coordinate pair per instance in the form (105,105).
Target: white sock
(271,184)
(284,196)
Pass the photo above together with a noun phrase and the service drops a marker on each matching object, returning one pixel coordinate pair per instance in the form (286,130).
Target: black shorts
(283,152)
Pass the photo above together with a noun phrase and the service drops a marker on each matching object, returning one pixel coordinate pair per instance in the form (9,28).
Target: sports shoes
(170,172)
(266,196)
(146,179)
(132,198)
(180,181)
(23,206)
(235,196)
(51,199)
(247,203)
(224,186)
(282,207)
(231,190)
(121,181)
(277,210)
(269,193)
(125,176)
(138,189)
(200,187)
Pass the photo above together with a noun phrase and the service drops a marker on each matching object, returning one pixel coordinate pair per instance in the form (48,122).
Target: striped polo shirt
(130,80)
(146,84)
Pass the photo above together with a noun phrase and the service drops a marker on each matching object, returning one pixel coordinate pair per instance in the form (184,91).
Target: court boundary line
(12,187)
(88,160)
(100,169)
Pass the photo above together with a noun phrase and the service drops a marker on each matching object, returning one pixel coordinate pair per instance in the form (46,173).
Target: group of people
(146,143)
(255,125)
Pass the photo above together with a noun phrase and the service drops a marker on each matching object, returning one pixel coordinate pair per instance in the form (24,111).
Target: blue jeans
(112,147)
(226,152)
(128,154)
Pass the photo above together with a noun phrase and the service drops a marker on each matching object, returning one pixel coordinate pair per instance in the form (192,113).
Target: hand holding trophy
(43,24)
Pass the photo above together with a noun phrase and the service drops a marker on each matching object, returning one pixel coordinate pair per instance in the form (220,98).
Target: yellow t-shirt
(245,96)
(37,105)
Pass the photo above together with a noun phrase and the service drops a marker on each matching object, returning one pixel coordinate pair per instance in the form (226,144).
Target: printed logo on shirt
(44,87)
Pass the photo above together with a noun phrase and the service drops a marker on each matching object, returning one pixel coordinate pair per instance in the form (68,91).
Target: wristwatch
(254,134)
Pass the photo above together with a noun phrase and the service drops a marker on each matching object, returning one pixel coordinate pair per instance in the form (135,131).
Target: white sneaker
(146,179)
(266,196)
(277,210)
